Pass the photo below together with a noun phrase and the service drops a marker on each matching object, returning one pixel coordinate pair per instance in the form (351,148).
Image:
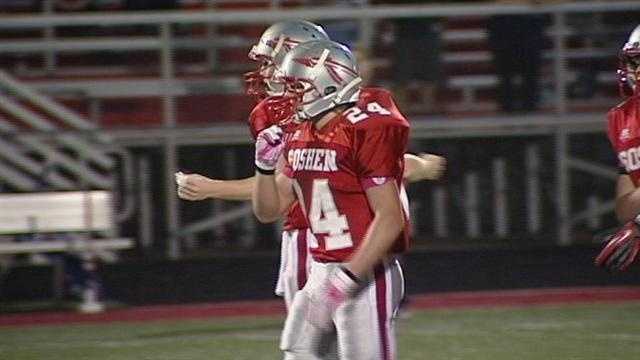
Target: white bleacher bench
(60,211)
(76,213)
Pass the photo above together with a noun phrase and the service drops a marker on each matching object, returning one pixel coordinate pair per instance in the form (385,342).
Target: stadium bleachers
(93,74)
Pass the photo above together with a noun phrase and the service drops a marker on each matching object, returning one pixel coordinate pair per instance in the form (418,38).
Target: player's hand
(269,146)
(622,248)
(325,299)
(192,186)
(431,167)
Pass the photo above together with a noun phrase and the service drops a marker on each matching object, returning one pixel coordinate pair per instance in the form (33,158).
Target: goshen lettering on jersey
(313,159)
(630,158)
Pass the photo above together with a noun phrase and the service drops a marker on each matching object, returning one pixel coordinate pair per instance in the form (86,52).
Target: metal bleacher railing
(173,80)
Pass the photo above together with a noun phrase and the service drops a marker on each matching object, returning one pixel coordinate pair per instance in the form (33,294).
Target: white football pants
(364,325)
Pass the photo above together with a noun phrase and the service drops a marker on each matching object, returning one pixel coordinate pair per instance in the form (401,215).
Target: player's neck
(327,117)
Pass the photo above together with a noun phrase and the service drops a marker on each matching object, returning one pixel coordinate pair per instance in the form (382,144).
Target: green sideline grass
(580,332)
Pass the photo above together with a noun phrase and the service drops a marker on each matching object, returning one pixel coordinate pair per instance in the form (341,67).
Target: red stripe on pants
(301,244)
(381,304)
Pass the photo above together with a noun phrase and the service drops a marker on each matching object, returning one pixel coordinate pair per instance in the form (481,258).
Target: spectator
(516,42)
(417,65)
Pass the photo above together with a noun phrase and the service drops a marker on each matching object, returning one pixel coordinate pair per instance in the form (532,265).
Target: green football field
(579,332)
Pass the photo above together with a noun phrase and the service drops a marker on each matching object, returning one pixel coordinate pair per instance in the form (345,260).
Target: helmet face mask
(302,92)
(270,51)
(256,81)
(629,65)
(261,83)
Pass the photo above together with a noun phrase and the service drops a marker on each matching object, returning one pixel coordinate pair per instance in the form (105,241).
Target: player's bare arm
(198,187)
(627,199)
(387,224)
(384,229)
(272,196)
(423,167)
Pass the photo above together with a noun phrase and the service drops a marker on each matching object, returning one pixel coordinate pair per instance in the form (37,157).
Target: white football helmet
(270,50)
(629,68)
(320,75)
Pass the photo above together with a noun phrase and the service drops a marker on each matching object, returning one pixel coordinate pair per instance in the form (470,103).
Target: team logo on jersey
(312,159)
(379,180)
(625,134)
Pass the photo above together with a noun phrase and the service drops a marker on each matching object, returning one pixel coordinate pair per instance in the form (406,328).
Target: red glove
(325,300)
(622,248)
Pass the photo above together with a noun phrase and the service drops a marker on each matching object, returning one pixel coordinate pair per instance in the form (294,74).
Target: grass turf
(580,332)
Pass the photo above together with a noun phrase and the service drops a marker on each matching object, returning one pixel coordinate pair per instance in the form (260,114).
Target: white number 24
(355,114)
(325,218)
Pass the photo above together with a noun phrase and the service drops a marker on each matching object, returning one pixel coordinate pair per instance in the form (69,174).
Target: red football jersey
(273,111)
(332,167)
(624,135)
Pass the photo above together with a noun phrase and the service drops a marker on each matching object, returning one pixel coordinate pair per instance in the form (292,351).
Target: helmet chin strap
(337,99)
(353,83)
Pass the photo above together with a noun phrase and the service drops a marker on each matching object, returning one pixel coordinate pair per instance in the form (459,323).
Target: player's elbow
(265,216)
(394,223)
(265,219)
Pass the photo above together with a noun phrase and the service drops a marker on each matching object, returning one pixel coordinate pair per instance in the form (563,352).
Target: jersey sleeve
(259,119)
(612,134)
(611,127)
(379,153)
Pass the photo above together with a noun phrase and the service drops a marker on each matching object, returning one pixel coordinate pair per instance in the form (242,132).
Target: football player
(269,51)
(272,110)
(624,134)
(344,164)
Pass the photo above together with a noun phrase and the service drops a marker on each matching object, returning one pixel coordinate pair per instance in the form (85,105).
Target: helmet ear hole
(330,90)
